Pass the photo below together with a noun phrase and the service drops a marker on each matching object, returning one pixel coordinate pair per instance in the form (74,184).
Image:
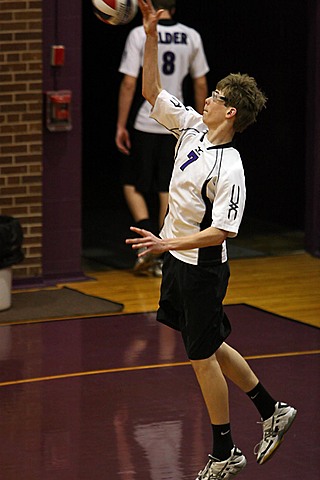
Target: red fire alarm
(57,55)
(58,112)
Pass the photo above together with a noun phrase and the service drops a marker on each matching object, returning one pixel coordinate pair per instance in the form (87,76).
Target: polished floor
(115,398)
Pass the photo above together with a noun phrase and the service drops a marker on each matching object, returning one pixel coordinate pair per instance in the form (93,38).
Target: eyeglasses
(216,97)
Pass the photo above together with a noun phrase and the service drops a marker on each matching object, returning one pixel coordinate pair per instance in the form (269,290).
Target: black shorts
(191,302)
(150,165)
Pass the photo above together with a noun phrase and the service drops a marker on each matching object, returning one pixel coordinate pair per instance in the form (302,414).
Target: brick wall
(21,125)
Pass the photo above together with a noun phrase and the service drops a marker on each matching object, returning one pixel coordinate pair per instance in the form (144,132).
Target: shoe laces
(205,473)
(268,432)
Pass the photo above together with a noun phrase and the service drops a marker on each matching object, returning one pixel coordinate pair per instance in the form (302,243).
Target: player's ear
(231,112)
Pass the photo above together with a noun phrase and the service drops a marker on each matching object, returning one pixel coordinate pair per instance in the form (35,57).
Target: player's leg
(134,199)
(139,211)
(225,459)
(277,417)
(204,329)
(235,367)
(135,180)
(136,203)
(164,160)
(136,192)
(183,301)
(208,373)
(163,207)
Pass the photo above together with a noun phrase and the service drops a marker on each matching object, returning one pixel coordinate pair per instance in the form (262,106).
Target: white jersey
(180,53)
(207,187)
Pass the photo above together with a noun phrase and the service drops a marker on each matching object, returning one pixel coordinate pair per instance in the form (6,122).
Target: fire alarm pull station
(58,114)
(57,55)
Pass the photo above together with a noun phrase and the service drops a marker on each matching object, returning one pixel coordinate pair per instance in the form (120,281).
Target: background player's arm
(200,87)
(126,94)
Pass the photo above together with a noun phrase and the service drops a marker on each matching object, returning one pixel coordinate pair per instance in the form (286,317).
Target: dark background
(266,39)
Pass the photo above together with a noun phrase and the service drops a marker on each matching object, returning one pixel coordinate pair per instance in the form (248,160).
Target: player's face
(214,111)
(217,97)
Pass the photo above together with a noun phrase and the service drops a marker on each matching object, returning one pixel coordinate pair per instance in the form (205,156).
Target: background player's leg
(136,203)
(139,210)
(163,207)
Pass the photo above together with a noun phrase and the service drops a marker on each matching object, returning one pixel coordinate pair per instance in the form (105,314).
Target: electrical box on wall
(58,110)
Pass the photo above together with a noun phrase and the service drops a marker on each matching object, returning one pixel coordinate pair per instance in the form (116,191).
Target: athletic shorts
(149,167)
(191,302)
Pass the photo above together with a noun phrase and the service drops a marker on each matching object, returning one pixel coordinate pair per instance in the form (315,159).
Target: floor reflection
(114,398)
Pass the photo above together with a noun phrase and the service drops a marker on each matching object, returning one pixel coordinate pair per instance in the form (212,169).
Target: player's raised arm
(151,84)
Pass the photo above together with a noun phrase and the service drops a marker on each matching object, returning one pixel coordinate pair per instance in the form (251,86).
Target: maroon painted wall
(63,150)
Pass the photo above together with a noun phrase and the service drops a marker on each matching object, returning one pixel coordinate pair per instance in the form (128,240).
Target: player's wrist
(152,34)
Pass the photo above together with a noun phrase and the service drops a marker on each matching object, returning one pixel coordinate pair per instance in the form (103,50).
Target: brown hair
(242,92)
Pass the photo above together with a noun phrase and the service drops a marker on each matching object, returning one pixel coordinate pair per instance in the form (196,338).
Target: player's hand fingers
(124,150)
(140,231)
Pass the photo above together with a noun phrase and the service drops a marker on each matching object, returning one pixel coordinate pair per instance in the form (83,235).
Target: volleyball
(115,12)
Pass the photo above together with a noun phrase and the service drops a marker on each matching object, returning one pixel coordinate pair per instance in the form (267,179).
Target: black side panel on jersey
(208,255)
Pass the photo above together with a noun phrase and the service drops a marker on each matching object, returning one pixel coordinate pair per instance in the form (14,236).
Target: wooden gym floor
(287,285)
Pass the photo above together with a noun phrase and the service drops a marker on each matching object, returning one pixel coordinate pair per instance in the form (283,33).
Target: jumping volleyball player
(206,202)
(148,147)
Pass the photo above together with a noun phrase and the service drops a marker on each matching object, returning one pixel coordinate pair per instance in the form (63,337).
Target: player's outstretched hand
(150,16)
(147,241)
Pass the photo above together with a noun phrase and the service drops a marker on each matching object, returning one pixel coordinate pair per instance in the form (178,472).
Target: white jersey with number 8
(180,53)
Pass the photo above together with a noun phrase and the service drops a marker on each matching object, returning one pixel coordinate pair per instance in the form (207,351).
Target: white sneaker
(274,429)
(217,470)
(157,268)
(143,264)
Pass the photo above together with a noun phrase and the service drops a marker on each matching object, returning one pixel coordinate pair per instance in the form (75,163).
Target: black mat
(55,304)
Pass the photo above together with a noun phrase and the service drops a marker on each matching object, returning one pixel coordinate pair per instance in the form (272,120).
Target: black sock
(222,441)
(262,400)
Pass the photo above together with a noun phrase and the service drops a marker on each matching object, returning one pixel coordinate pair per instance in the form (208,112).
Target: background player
(149,148)
(206,203)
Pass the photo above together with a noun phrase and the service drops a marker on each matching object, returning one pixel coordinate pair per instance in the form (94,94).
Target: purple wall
(62,151)
(313,133)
